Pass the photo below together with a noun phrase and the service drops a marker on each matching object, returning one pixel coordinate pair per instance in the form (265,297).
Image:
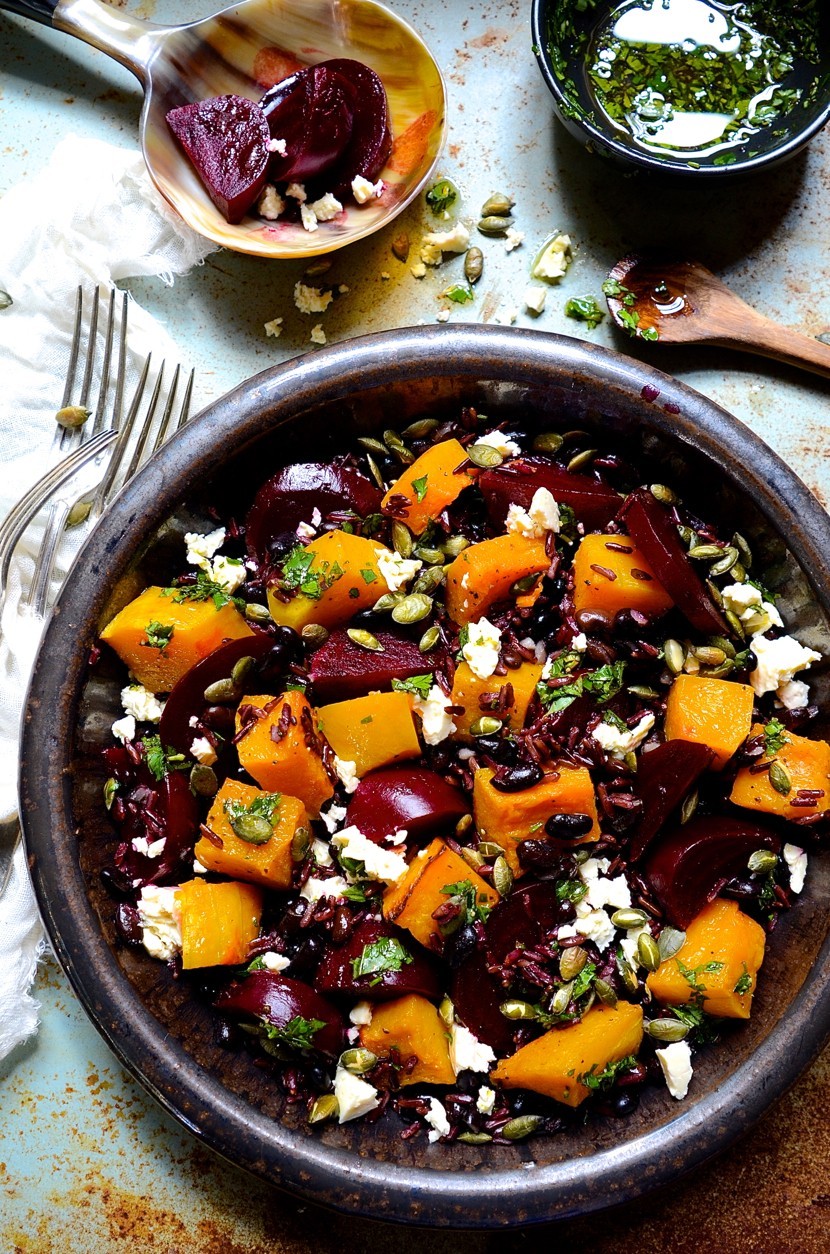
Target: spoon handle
(761,335)
(112,31)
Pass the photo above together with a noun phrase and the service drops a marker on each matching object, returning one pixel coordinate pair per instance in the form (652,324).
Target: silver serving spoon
(244,50)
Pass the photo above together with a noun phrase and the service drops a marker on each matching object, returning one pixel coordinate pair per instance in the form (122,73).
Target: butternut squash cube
(160,638)
(411,1026)
(218,922)
(712,712)
(483,574)
(508,818)
(616,578)
(332,578)
(554,1064)
(270,863)
(806,764)
(371,731)
(429,485)
(282,751)
(718,964)
(467,689)
(412,902)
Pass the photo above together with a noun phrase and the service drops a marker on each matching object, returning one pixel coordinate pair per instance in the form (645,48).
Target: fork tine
(161,434)
(44,562)
(103,389)
(90,357)
(119,452)
(120,377)
(76,343)
(138,451)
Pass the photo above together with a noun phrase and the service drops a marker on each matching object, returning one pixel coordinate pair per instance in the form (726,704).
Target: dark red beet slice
(340,669)
(410,798)
(274,999)
(476,996)
(371,139)
(290,496)
(151,809)
(690,865)
(664,777)
(594,503)
(652,529)
(226,139)
(335,973)
(522,919)
(187,700)
(312,112)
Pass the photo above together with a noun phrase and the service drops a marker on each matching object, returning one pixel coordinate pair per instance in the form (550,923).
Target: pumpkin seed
(547,442)
(400,246)
(582,459)
(735,623)
(429,580)
(253,828)
(490,849)
(497,205)
(257,613)
(420,428)
(473,264)
(730,557)
(523,585)
(630,760)
(396,445)
(429,639)
(300,844)
(374,471)
(432,557)
(629,917)
(709,655)
(388,602)
(715,592)
(663,494)
(648,952)
(314,634)
(627,972)
(485,726)
(325,1107)
(484,456)
(203,781)
(779,779)
(72,417)
(518,1010)
(322,266)
(561,999)
(670,942)
(738,573)
(110,789)
(241,670)
(720,642)
(222,692)
(455,545)
(402,541)
(705,552)
(78,513)
(675,656)
(412,608)
(687,536)
(668,1030)
(744,551)
(464,824)
(364,639)
(5,300)
(502,876)
(472,857)
(762,861)
(358,1060)
(474,1138)
(446,1012)
(495,224)
(605,993)
(689,806)
(373,445)
(522,1126)
(640,690)
(717,671)
(572,961)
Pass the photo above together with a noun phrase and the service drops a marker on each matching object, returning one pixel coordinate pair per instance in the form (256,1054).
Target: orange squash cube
(712,712)
(160,638)
(430,484)
(807,766)
(412,902)
(467,688)
(616,578)
(508,818)
(483,574)
(283,752)
(371,731)
(218,922)
(716,966)
(411,1026)
(555,1064)
(338,576)
(270,863)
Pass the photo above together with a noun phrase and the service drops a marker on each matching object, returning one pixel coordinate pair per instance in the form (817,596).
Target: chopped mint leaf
(418,685)
(420,487)
(386,954)
(158,635)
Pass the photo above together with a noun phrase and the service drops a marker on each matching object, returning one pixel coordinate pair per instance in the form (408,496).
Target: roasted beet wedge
(226,139)
(689,866)
(291,496)
(652,529)
(341,669)
(312,111)
(274,1000)
(593,502)
(476,996)
(187,700)
(336,972)
(411,798)
(522,919)
(371,140)
(664,777)
(149,810)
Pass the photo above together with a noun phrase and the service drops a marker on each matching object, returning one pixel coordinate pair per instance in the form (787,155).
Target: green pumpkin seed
(455,545)
(110,789)
(402,541)
(716,672)
(321,266)
(463,825)
(412,608)
(689,806)
(735,623)
(325,1107)
(572,961)
(373,445)
(396,445)
(253,828)
(522,1126)
(629,917)
(484,456)
(514,1009)
(670,942)
(498,205)
(203,781)
(223,692)
(561,999)
(730,557)
(388,602)
(429,639)
(241,670)
(547,442)
(687,535)
(524,585)
(720,642)
(358,1061)
(627,972)
(78,513)
(663,494)
(364,639)
(257,613)
(472,857)
(72,417)
(495,224)
(420,428)
(762,862)
(641,690)
(446,1012)
(667,1030)
(630,759)
(429,580)
(709,655)
(5,300)
(675,656)
(485,726)
(300,844)
(314,634)
(473,264)
(502,876)
(582,459)
(744,551)
(432,557)
(715,593)
(605,993)
(474,1138)
(489,849)
(374,471)
(705,552)
(648,952)
(779,779)
(738,573)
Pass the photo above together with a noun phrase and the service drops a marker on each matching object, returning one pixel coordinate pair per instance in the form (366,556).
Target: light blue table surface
(88,1163)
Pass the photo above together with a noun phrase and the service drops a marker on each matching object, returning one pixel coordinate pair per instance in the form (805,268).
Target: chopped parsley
(369,575)
(440,196)
(690,975)
(603,684)
(775,737)
(459,293)
(158,635)
(477,908)
(606,1078)
(205,589)
(418,685)
(584,309)
(264,806)
(570,890)
(744,984)
(420,487)
(386,954)
(161,761)
(298,1033)
(297,573)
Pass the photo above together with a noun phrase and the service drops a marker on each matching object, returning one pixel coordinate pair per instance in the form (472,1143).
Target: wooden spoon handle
(761,335)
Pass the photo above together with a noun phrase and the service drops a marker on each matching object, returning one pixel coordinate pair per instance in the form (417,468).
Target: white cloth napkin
(91,217)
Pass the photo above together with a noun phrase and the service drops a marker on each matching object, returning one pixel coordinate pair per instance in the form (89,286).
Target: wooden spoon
(244,50)
(681,302)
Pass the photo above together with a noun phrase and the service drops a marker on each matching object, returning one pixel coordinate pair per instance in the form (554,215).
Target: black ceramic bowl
(310,409)
(562,31)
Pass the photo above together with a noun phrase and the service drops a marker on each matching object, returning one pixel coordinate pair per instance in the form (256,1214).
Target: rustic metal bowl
(311,408)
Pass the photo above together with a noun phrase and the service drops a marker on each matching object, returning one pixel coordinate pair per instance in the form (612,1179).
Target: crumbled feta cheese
(274,327)
(198,869)
(304,532)
(270,204)
(395,570)
(364,190)
(595,926)
(355,1097)
(756,614)
(203,751)
(352,1035)
(201,548)
(580,642)
(321,852)
(606,892)
(676,1063)
(311,300)
(436,243)
(794,695)
(361,1014)
(397,838)
(436,723)
(506,317)
(535,297)
(512,239)
(308,218)
(296,191)
(123,729)
(380,863)
(228,572)
(481,652)
(346,773)
(467,1052)
(486,1100)
(443,315)
(275,962)
(619,743)
(796,860)
(314,889)
(333,817)
(326,208)
(778,661)
(555,260)
(318,335)
(150,849)
(593,867)
(385,275)
(543,516)
(437,1119)
(160,919)
(500,442)
(144,706)
(418,270)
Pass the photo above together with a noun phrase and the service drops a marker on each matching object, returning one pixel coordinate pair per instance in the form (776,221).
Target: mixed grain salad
(465,777)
